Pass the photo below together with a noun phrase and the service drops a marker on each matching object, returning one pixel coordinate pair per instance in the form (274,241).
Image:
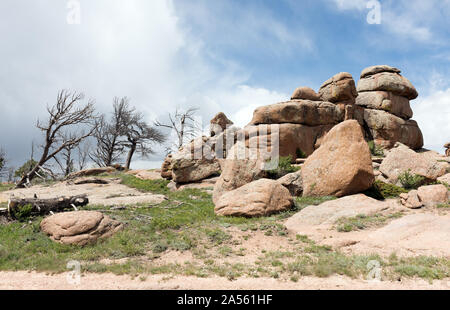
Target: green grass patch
(6,187)
(362,221)
(381,190)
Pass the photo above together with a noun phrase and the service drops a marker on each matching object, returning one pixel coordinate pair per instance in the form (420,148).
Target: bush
(300,153)
(284,167)
(375,149)
(411,181)
(381,190)
(22,213)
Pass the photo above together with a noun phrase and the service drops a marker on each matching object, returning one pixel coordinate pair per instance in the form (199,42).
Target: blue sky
(220,55)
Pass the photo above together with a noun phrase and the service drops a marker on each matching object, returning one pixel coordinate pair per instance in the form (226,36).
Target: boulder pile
(385,94)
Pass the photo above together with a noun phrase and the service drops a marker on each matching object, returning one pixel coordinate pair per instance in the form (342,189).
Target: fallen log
(19,207)
(92,181)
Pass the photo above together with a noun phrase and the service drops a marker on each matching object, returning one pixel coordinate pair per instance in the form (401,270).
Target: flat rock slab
(111,194)
(412,235)
(146,174)
(324,216)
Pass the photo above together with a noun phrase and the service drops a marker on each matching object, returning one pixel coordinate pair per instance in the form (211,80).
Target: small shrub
(22,213)
(410,181)
(284,167)
(300,153)
(375,149)
(381,190)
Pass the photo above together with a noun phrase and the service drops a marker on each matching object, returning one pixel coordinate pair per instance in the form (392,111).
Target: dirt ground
(38,281)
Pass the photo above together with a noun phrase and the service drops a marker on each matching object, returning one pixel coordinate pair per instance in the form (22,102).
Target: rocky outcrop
(401,159)
(259,198)
(199,159)
(304,112)
(384,96)
(166,168)
(219,124)
(305,93)
(387,129)
(289,138)
(339,89)
(425,196)
(79,228)
(195,161)
(293,182)
(447,149)
(91,172)
(385,78)
(341,166)
(238,169)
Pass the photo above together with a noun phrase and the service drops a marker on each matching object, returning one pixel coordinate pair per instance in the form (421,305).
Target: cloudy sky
(221,55)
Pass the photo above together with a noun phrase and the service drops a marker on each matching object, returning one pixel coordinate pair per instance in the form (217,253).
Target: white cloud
(134,48)
(351,4)
(433,116)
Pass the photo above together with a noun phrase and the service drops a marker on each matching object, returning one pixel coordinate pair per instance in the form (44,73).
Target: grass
(6,187)
(381,190)
(361,221)
(411,181)
(184,224)
(375,149)
(303,202)
(284,167)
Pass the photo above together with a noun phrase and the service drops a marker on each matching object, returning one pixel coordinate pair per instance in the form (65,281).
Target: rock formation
(219,124)
(259,198)
(425,196)
(80,227)
(401,159)
(199,159)
(341,166)
(447,149)
(384,94)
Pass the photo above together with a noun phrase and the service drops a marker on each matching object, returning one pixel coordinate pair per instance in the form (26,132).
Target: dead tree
(63,128)
(108,135)
(3,168)
(83,150)
(184,125)
(139,135)
(45,206)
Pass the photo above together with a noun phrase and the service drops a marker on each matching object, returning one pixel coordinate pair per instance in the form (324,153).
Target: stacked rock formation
(447,149)
(306,118)
(199,159)
(384,95)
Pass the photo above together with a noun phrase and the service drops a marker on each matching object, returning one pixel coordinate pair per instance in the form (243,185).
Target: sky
(223,55)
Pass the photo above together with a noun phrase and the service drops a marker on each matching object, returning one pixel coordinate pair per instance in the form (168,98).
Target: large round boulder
(339,88)
(388,81)
(80,227)
(387,129)
(305,93)
(259,198)
(341,166)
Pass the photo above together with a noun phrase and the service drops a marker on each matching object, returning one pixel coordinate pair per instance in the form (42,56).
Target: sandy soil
(111,194)
(38,281)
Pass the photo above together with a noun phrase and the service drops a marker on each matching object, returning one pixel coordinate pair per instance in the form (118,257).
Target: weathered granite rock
(341,166)
(387,129)
(305,112)
(80,228)
(259,198)
(381,100)
(339,88)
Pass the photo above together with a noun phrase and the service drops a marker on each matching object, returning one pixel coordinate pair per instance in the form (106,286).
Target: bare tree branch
(67,125)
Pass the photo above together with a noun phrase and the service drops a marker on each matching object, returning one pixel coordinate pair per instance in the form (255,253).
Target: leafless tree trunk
(3,168)
(139,135)
(184,125)
(108,136)
(65,115)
